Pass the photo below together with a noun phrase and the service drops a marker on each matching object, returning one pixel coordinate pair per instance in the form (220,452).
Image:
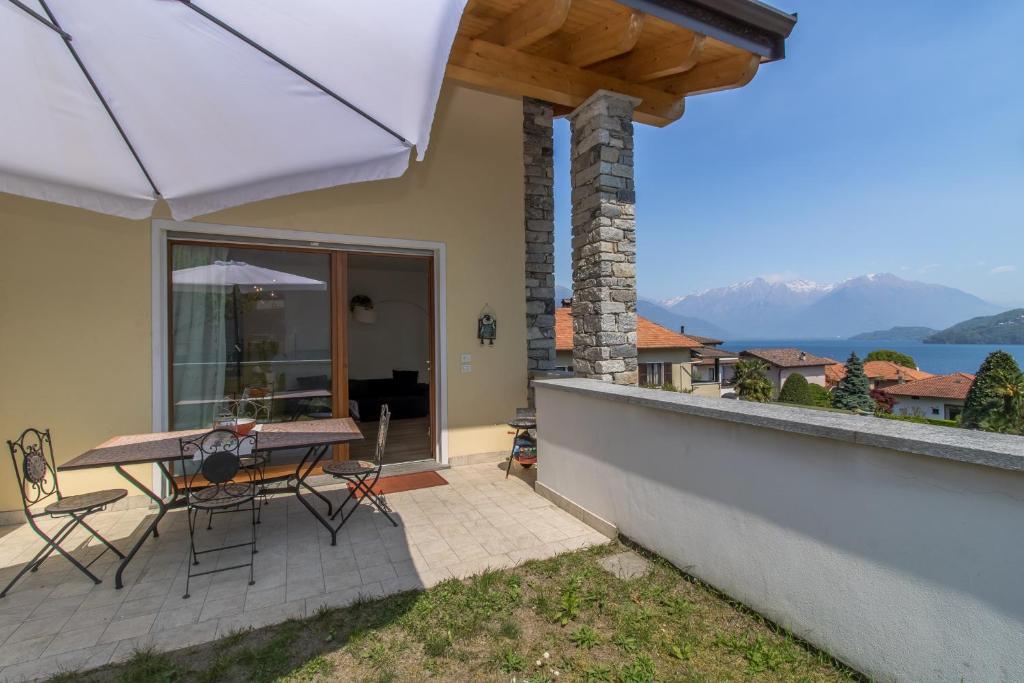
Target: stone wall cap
(635,101)
(1001,451)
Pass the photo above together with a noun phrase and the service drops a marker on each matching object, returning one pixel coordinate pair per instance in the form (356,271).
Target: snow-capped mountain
(801,308)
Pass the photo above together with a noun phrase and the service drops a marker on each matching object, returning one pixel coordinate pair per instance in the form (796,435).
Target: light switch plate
(467,368)
(466,358)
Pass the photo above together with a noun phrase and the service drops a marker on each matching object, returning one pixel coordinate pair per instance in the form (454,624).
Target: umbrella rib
(96,90)
(312,81)
(41,19)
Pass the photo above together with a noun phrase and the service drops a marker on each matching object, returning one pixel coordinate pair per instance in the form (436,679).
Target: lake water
(939,359)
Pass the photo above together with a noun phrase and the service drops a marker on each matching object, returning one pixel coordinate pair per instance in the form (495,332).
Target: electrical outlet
(466,358)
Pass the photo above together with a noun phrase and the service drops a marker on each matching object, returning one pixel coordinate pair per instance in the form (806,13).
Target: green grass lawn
(562,619)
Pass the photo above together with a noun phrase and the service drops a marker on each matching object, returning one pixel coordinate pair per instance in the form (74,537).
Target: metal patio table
(161,448)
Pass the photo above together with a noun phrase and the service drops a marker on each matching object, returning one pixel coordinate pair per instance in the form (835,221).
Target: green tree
(995,402)
(751,382)
(894,356)
(796,390)
(820,396)
(853,391)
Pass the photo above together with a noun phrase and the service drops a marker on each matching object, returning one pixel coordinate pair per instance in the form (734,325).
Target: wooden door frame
(436,451)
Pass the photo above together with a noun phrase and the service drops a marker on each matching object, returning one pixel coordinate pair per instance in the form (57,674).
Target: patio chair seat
(342,468)
(224,496)
(84,501)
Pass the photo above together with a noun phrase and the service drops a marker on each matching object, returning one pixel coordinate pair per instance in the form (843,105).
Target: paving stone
(625,565)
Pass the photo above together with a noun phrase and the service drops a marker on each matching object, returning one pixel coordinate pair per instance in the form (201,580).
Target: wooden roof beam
(509,71)
(723,74)
(658,61)
(535,20)
(605,40)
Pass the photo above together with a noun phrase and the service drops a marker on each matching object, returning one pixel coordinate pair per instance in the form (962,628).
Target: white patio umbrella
(209,104)
(239,277)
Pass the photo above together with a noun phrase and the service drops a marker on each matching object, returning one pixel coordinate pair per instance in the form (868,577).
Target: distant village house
(663,356)
(880,374)
(788,361)
(939,397)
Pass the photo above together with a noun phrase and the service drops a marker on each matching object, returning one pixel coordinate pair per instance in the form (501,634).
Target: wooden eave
(562,51)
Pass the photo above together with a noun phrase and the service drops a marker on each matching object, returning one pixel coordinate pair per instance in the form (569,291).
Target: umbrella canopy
(246,277)
(215,103)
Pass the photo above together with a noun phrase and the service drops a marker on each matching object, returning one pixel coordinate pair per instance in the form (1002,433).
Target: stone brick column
(538,182)
(604,239)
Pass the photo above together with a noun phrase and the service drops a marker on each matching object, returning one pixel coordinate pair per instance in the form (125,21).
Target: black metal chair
(362,475)
(218,484)
(36,472)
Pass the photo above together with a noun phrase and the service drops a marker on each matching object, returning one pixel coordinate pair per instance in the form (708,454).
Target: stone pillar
(604,239)
(538,183)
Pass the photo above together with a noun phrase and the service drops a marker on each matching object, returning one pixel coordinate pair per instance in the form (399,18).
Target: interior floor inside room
(408,441)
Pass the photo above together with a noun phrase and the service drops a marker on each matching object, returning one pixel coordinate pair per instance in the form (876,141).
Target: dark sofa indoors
(405,396)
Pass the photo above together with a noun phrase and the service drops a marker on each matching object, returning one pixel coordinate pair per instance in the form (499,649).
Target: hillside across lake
(1002,328)
(896,334)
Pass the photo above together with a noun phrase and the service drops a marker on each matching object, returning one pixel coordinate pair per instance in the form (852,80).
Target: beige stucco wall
(75,288)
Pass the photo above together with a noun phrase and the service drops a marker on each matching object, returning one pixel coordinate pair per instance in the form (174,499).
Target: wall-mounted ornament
(362,309)
(487,326)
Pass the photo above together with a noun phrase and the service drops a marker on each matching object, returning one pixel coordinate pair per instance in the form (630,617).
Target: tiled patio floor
(57,620)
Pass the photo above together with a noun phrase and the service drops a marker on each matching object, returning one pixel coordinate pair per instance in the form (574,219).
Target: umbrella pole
(238,342)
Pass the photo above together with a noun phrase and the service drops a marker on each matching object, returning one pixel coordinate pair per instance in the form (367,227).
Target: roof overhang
(657,51)
(754,26)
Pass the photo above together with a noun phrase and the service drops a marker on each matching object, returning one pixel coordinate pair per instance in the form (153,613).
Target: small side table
(524,446)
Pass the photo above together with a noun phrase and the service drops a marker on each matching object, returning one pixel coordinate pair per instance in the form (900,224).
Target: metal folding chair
(219,484)
(36,472)
(256,403)
(362,475)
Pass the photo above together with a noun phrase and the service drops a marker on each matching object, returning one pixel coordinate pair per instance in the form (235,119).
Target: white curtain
(199,348)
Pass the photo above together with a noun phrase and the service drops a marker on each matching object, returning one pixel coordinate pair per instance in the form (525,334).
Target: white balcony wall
(903,561)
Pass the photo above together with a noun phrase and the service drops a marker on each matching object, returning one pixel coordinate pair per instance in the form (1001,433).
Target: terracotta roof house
(938,396)
(880,373)
(834,374)
(663,356)
(783,362)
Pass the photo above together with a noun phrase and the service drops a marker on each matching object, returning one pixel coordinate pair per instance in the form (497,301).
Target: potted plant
(362,309)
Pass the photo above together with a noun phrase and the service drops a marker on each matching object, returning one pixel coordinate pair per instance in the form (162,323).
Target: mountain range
(763,309)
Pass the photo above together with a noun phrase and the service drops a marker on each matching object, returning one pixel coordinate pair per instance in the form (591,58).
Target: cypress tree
(796,390)
(995,401)
(853,391)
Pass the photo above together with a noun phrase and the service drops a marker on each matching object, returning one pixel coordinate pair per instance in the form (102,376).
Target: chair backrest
(257,402)
(213,459)
(382,433)
(32,455)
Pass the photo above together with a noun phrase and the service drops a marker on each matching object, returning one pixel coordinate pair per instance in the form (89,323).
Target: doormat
(406,482)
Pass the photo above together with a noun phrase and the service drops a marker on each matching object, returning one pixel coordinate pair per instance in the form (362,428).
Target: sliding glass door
(252,333)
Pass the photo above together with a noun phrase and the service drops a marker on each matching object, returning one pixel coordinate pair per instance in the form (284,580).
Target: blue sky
(890,139)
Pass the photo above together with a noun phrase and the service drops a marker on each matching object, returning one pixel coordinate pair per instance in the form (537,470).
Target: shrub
(820,396)
(995,402)
(893,356)
(795,390)
(751,382)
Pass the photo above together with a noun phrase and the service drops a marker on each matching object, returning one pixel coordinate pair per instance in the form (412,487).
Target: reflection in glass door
(251,334)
